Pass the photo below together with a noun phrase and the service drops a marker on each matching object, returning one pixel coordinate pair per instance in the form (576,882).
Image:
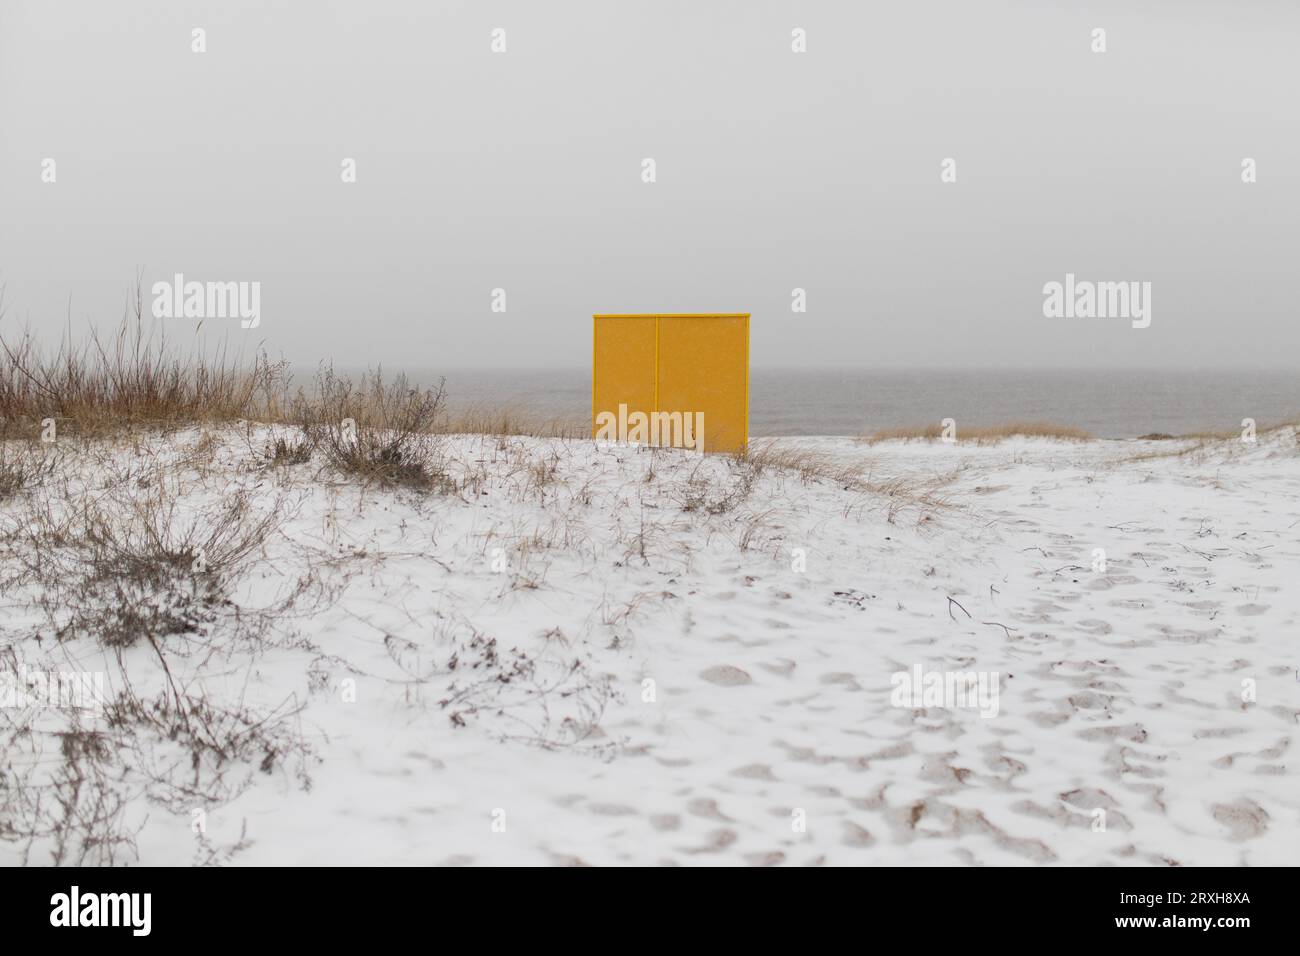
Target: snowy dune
(599,654)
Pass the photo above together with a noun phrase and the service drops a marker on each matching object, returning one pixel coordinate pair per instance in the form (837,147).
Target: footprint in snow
(724,675)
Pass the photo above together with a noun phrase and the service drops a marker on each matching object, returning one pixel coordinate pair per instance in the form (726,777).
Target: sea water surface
(789,401)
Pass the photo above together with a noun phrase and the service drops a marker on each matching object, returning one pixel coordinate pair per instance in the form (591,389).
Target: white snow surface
(674,686)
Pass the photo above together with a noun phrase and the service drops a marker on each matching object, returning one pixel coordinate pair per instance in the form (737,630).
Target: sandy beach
(581,652)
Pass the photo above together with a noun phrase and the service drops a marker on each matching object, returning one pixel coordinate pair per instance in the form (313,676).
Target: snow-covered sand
(646,660)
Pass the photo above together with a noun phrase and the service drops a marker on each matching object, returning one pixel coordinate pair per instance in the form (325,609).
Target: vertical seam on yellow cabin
(656,399)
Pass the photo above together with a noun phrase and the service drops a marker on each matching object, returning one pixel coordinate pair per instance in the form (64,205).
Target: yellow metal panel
(674,315)
(678,363)
(623,364)
(704,367)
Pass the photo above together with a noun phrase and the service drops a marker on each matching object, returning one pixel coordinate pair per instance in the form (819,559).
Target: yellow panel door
(704,367)
(623,365)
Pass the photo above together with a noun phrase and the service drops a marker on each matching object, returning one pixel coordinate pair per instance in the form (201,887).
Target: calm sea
(1111,404)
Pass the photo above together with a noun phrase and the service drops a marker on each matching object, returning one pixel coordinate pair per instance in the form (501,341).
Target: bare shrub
(67,790)
(77,811)
(287,451)
(122,567)
(147,537)
(552,700)
(204,740)
(379,431)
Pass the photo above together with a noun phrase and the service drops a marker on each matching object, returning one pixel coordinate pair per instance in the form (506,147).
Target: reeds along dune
(135,376)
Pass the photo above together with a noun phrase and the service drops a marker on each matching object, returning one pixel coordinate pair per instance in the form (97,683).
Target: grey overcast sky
(775,170)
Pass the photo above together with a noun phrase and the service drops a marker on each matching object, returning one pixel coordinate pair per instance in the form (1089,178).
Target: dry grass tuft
(287,451)
(807,464)
(483,420)
(983,436)
(896,495)
(1196,445)
(136,377)
(378,430)
(20,468)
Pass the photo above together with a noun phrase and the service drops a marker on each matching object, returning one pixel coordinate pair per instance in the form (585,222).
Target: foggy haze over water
(1108,404)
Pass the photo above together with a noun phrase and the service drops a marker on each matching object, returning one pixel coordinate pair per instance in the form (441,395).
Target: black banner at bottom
(339,906)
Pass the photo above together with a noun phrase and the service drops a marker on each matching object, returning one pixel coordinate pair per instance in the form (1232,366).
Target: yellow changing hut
(664,379)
